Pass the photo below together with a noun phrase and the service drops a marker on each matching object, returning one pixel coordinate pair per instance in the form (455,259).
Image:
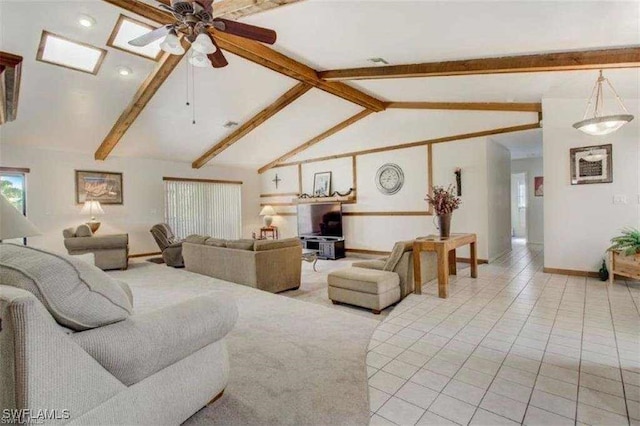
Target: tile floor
(515,346)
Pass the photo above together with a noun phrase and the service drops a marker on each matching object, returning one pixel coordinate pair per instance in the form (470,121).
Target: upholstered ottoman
(368,288)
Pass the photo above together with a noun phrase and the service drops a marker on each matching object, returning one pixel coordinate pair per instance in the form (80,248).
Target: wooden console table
(445,248)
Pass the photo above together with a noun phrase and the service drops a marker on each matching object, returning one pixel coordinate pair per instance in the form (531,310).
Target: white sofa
(70,342)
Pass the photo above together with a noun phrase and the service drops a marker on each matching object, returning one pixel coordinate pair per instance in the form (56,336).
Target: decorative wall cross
(276,180)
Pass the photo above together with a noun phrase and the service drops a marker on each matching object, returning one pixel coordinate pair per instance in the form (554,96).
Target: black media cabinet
(326,247)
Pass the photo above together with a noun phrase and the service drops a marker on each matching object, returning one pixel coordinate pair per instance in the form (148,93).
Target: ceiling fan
(193,19)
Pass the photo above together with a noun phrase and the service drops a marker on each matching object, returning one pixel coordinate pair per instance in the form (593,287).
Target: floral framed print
(105,187)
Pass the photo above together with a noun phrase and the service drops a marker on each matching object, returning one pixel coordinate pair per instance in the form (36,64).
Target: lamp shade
(171,44)
(203,44)
(267,211)
(14,224)
(92,208)
(199,60)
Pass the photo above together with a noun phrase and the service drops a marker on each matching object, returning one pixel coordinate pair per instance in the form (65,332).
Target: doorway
(519,206)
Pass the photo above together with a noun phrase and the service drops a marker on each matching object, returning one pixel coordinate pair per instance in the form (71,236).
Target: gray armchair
(169,244)
(110,251)
(401,262)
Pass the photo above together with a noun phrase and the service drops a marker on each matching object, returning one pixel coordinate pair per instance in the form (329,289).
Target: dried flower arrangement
(443,200)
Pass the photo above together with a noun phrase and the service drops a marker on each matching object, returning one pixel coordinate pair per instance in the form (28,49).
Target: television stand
(326,247)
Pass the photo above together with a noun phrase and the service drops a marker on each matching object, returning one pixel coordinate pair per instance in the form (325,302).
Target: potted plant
(625,254)
(444,202)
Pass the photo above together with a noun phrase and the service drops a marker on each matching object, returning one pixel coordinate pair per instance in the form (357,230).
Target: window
(522,195)
(61,51)
(205,207)
(13,188)
(127,29)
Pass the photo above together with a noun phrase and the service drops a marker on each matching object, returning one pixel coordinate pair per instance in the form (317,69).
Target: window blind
(204,208)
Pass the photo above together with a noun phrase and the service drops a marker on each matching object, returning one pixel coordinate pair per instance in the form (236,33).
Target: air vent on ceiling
(378,61)
(230,124)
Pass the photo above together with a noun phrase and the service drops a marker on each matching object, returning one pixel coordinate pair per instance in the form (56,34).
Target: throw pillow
(84,231)
(215,242)
(78,295)
(240,244)
(195,239)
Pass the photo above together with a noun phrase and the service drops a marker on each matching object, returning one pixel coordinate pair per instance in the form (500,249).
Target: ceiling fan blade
(150,37)
(217,58)
(252,32)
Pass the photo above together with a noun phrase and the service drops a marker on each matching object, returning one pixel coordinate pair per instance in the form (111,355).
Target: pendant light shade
(203,44)
(598,124)
(199,60)
(171,44)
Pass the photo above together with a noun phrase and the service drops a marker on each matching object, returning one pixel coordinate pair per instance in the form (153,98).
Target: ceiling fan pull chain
(187,88)
(193,93)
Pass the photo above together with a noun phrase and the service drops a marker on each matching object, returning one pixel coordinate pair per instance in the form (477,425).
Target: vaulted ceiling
(68,110)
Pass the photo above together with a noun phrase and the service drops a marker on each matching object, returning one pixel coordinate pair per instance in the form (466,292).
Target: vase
(444,225)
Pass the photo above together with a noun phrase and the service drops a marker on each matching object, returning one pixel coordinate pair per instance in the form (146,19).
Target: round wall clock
(389,179)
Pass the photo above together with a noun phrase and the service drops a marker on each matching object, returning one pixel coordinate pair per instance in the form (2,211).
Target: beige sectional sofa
(72,342)
(269,265)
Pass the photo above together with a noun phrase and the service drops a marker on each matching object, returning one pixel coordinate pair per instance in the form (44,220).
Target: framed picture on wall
(105,187)
(538,186)
(322,184)
(591,164)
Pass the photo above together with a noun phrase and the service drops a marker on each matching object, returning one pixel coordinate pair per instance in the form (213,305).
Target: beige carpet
(292,362)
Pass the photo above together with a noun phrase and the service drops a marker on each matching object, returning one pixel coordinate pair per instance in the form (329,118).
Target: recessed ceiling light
(86,21)
(378,61)
(230,124)
(124,71)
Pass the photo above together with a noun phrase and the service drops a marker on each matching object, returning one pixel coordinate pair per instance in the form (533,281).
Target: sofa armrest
(97,242)
(40,366)
(144,344)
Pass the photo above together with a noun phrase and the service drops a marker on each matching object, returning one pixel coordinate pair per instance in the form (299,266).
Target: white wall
(51,193)
(379,233)
(498,199)
(579,220)
(535,205)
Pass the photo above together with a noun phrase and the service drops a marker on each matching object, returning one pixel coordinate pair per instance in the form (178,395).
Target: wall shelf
(349,199)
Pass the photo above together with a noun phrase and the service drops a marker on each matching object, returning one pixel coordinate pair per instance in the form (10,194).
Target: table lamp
(13,224)
(92,208)
(268,212)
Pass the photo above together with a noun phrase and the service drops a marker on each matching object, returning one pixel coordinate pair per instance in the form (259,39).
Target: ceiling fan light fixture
(599,125)
(171,44)
(199,60)
(203,44)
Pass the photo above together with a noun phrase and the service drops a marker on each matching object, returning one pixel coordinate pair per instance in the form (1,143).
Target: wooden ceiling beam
(140,100)
(482,133)
(470,106)
(280,103)
(332,131)
(262,55)
(625,57)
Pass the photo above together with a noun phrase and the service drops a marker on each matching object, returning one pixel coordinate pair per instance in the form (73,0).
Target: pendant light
(598,124)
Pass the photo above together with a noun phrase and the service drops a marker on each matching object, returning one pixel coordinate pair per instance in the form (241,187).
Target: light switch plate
(619,199)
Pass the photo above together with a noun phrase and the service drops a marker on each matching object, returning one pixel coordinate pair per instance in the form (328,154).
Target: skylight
(61,51)
(127,29)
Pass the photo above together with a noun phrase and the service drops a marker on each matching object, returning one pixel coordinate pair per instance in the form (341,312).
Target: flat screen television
(320,220)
